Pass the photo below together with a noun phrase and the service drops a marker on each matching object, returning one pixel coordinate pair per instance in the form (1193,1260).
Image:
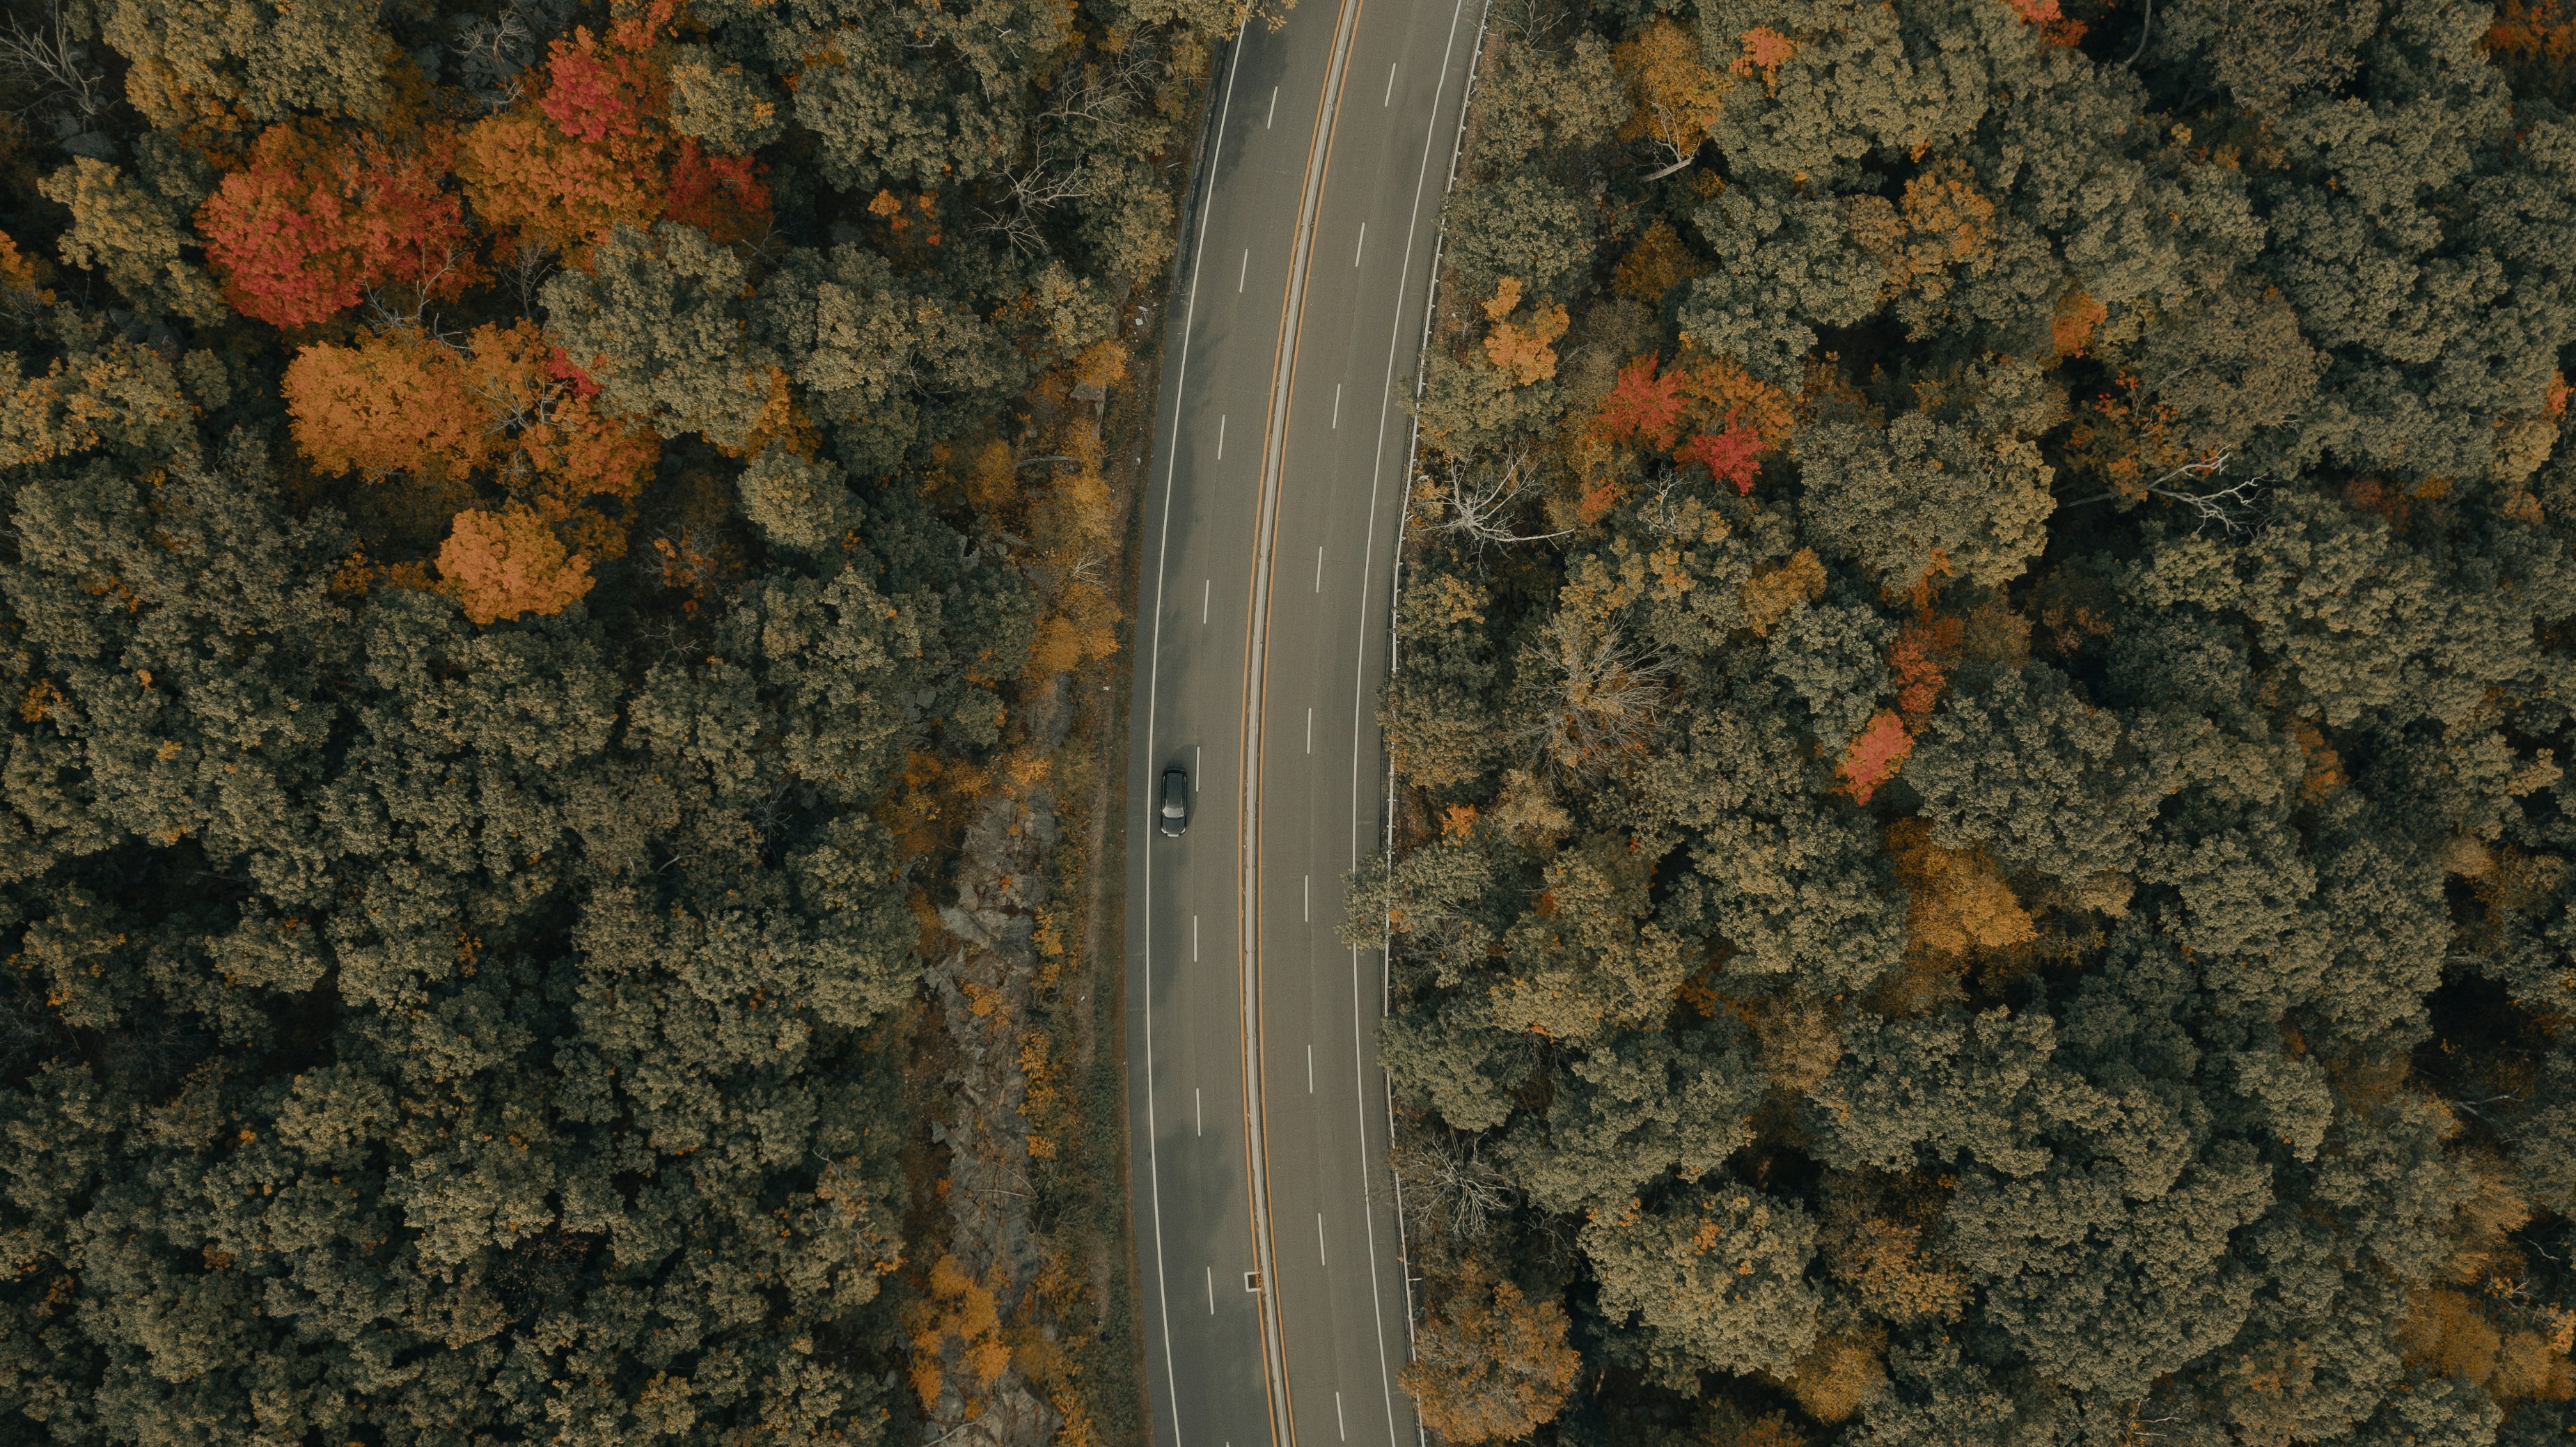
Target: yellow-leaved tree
(1675,94)
(1525,350)
(1490,1366)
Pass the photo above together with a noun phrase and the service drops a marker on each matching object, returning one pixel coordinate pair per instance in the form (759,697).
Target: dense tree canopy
(502,594)
(1984,687)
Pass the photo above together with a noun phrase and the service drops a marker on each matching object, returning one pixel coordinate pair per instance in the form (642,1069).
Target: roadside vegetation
(1981,729)
(558,566)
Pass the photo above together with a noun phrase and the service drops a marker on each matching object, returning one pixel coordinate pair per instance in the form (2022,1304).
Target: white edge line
(1153,679)
(1359,710)
(1395,592)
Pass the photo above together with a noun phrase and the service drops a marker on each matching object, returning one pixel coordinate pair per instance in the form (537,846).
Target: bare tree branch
(1658,515)
(384,316)
(1453,1190)
(1475,505)
(530,265)
(1029,193)
(2234,508)
(492,53)
(1667,138)
(1603,693)
(54,66)
(1531,20)
(1111,92)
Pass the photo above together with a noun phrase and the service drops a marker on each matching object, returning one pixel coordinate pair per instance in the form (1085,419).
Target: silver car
(1175,810)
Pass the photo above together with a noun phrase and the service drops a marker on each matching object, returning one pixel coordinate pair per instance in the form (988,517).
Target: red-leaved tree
(1734,455)
(314,221)
(594,151)
(1643,406)
(720,195)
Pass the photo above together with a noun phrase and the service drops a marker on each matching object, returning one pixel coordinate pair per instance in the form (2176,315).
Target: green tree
(121,229)
(660,324)
(2167,494)
(1716,1275)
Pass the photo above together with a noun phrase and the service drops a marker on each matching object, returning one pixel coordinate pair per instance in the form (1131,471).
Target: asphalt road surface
(1274,1301)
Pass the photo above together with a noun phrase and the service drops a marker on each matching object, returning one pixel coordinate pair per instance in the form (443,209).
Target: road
(1273,1298)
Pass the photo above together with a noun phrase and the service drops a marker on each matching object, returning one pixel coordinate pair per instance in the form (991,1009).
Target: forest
(549,552)
(1987,626)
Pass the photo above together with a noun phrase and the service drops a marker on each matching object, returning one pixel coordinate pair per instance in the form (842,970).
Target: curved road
(1274,1302)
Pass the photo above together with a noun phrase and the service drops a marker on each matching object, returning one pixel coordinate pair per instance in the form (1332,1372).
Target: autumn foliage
(1763,49)
(1643,405)
(547,190)
(1492,1366)
(2051,22)
(720,195)
(1733,455)
(592,152)
(1957,900)
(1939,222)
(955,1324)
(506,408)
(1920,660)
(397,403)
(506,564)
(2534,30)
(604,95)
(545,404)
(1772,594)
(1675,97)
(404,402)
(1874,755)
(316,220)
(1524,350)
(2071,325)
(1707,411)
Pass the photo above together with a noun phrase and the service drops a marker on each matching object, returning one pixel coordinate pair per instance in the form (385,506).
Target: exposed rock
(981,989)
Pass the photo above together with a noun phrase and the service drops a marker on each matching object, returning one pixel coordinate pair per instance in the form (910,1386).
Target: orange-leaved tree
(1740,419)
(502,565)
(2053,25)
(567,452)
(2072,320)
(1875,754)
(315,220)
(1707,410)
(1732,455)
(1525,351)
(1940,223)
(547,190)
(594,150)
(506,405)
(720,195)
(1072,523)
(399,402)
(1920,661)
(1766,50)
(2533,31)
(1643,405)
(1957,899)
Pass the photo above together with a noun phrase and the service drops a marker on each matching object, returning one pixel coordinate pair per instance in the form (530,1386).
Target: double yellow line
(1283,386)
